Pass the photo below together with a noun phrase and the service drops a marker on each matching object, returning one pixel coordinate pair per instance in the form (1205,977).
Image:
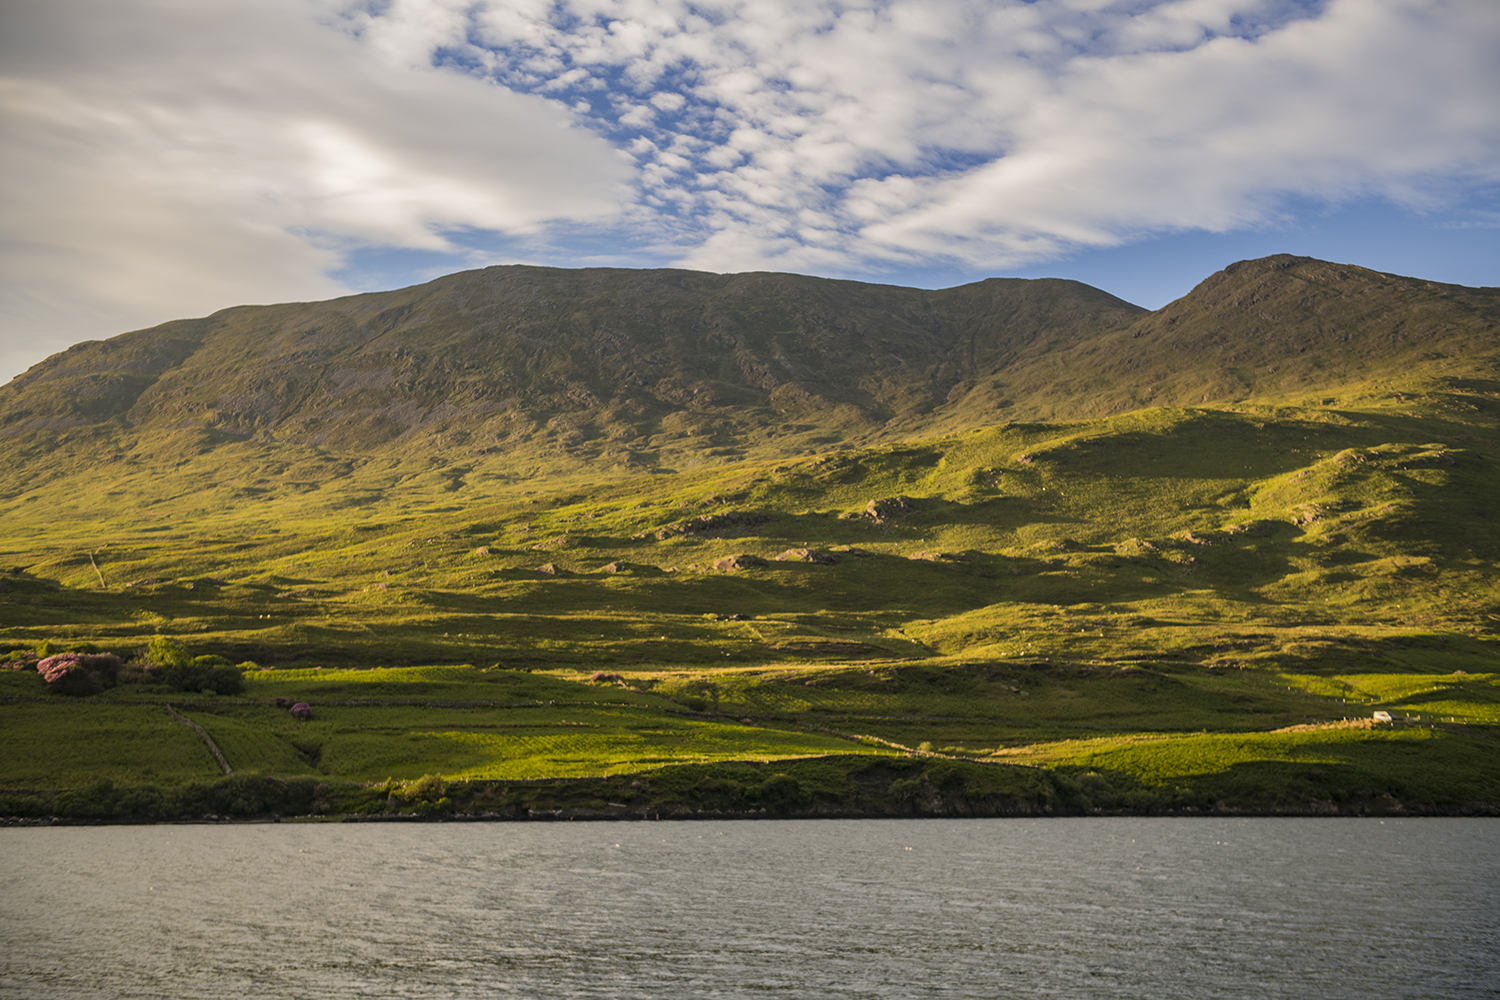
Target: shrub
(905,789)
(163,652)
(80,673)
(427,788)
(198,677)
(426,795)
(302,711)
(22,659)
(780,791)
(238,795)
(169,663)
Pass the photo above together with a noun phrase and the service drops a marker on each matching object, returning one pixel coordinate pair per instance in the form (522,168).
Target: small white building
(1382,716)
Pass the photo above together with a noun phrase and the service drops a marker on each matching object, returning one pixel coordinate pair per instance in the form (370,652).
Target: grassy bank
(1371,781)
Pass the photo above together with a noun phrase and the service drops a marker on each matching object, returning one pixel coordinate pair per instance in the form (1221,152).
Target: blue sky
(168,158)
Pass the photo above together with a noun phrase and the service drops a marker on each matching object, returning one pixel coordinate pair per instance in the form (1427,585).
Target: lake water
(1071,908)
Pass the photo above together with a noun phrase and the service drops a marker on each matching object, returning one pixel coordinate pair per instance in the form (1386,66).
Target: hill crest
(546,370)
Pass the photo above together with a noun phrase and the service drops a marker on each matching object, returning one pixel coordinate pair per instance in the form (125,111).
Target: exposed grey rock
(741,561)
(807,556)
(886,508)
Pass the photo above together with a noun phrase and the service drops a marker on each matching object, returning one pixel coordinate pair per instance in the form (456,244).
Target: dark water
(980,908)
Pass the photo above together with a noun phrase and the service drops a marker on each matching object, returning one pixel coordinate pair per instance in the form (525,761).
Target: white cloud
(1370,97)
(169,157)
(997,133)
(172,158)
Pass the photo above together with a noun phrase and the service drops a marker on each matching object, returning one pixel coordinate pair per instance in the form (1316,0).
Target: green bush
(223,679)
(426,795)
(905,789)
(164,652)
(427,788)
(169,664)
(237,795)
(780,791)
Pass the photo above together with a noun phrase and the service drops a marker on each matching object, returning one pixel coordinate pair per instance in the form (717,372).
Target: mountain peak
(603,368)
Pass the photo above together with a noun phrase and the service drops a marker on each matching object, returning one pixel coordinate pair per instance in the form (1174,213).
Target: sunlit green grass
(1165,532)
(371,742)
(614,751)
(1160,759)
(1332,761)
(1438,697)
(449,684)
(62,745)
(1203,575)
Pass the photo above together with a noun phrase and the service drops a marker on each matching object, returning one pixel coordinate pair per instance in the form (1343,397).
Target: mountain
(1287,325)
(495,379)
(645,369)
(593,364)
(594,522)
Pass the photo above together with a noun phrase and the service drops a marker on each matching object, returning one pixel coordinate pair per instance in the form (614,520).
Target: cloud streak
(170,158)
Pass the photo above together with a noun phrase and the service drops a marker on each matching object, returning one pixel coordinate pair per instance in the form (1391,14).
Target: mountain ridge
(526,322)
(520,371)
(891,527)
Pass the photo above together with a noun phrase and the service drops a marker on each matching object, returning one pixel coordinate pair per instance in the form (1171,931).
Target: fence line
(212,746)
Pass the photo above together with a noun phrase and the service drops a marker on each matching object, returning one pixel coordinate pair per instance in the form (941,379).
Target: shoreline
(846,786)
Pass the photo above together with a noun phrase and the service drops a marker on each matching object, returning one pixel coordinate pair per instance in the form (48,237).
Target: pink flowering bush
(302,710)
(80,673)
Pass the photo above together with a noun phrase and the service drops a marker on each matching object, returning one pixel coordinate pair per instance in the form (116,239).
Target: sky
(168,158)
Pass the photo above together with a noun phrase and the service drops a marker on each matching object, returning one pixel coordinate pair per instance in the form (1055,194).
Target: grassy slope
(494,377)
(1150,603)
(484,383)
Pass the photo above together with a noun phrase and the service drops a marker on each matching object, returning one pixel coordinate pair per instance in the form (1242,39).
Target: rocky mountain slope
(515,372)
(592,362)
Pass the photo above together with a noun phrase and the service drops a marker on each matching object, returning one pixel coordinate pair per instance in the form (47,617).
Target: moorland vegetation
(524,542)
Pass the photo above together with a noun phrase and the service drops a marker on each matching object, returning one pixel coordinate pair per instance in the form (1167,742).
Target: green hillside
(748,543)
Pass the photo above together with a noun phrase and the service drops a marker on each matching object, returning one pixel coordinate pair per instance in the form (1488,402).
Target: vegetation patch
(914,560)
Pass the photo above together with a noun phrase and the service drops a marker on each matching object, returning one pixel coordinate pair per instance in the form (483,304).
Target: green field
(1165,608)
